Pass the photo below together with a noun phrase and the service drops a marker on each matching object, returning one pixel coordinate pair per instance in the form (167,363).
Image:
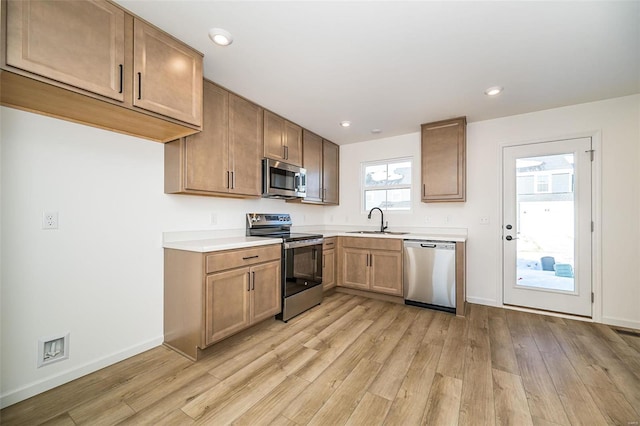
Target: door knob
(509,238)
(508,226)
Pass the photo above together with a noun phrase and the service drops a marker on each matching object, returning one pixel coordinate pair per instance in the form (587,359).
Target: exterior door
(547,226)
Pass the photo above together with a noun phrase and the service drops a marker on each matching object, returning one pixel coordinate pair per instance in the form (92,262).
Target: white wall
(614,121)
(99,276)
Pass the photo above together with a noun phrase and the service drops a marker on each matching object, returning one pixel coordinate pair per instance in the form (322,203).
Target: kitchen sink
(378,232)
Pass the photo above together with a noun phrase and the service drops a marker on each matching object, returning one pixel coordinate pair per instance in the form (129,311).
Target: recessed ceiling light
(493,91)
(220,37)
(375,131)
(345,123)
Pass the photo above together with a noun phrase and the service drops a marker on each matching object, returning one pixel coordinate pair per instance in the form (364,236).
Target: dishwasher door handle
(428,245)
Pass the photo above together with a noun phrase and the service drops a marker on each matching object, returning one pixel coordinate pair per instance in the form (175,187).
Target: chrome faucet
(382,225)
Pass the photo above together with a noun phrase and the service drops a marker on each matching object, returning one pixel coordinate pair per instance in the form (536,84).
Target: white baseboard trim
(621,322)
(482,301)
(13,396)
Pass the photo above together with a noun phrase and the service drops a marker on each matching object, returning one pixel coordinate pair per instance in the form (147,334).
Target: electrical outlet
(448,219)
(484,221)
(50,220)
(214,218)
(427,219)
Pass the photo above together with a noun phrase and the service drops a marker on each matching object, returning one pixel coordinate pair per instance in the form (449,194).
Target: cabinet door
(386,272)
(444,160)
(206,156)
(273,136)
(77,43)
(227,304)
(328,269)
(266,291)
(245,145)
(293,143)
(167,75)
(355,268)
(331,172)
(312,161)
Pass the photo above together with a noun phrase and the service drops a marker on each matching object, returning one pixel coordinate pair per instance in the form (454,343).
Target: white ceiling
(393,65)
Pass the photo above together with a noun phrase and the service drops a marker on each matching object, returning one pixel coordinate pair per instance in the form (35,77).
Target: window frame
(364,188)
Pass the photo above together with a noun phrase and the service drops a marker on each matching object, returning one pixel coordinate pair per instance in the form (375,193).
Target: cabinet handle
(286,152)
(228,179)
(424,189)
(367,260)
(139,85)
(371,261)
(248,281)
(253,281)
(251,257)
(233,180)
(121,77)
(324,194)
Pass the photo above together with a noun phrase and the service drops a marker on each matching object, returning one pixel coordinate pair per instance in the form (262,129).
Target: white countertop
(206,241)
(407,236)
(217,244)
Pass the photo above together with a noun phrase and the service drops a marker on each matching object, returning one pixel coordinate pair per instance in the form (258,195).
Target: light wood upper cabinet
(321,160)
(245,146)
(224,159)
(444,161)
(282,139)
(206,153)
(91,62)
(330,172)
(371,264)
(167,75)
(312,162)
(73,42)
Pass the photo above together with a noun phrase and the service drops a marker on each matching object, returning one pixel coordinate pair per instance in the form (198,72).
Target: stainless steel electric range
(301,261)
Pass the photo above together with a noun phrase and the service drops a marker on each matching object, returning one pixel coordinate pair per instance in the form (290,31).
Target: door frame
(596,209)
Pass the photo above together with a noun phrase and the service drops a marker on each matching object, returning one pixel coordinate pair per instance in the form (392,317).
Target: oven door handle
(304,243)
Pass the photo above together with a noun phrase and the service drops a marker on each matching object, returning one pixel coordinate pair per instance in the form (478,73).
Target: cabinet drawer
(242,257)
(372,243)
(329,243)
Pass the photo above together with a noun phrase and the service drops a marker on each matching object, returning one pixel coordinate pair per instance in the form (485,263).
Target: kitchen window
(387,184)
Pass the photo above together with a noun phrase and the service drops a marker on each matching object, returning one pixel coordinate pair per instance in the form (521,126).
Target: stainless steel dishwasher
(430,274)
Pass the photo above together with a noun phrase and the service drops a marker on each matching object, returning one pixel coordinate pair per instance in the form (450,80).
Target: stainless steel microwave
(283,180)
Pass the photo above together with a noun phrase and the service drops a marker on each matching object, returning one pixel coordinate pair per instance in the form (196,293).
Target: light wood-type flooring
(358,361)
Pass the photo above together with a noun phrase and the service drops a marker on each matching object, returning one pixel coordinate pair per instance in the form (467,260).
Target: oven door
(303,266)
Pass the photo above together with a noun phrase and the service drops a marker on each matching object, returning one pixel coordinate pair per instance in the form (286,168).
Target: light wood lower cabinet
(371,264)
(238,298)
(210,296)
(329,263)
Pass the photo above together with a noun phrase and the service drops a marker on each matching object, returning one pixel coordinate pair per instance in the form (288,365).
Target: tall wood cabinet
(321,160)
(372,264)
(282,139)
(94,63)
(223,159)
(444,161)
(210,296)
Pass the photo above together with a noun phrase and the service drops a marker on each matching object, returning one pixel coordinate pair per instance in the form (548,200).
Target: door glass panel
(545,222)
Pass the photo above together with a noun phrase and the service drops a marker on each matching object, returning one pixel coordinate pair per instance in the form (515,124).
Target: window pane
(375,199)
(398,199)
(375,175)
(399,173)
